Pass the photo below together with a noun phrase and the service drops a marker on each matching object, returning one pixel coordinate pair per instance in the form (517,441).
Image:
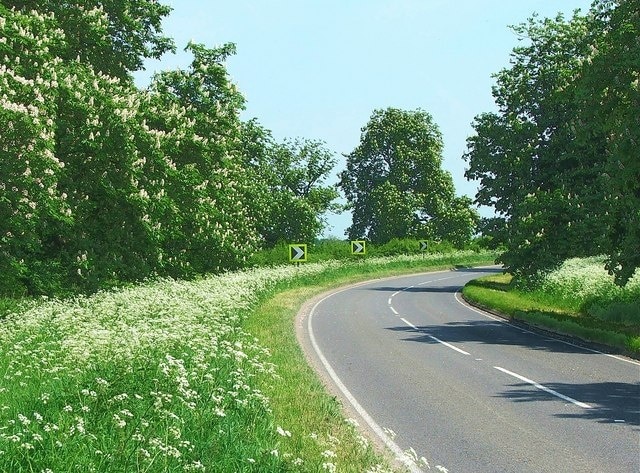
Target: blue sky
(317,69)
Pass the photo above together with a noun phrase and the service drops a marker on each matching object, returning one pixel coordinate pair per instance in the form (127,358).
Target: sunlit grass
(578,299)
(180,376)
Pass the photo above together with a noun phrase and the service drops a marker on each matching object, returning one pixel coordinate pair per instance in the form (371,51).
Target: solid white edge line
(400,455)
(458,295)
(544,388)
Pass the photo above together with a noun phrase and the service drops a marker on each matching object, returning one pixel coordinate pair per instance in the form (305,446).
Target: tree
(113,36)
(31,205)
(531,169)
(394,183)
(198,175)
(559,160)
(609,100)
(289,196)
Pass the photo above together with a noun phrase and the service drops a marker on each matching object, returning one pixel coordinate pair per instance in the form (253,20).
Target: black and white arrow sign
(298,252)
(358,247)
(423,245)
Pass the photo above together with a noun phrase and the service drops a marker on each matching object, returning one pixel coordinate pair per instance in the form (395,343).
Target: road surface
(467,390)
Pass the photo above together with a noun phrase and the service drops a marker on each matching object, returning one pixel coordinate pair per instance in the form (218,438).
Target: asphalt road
(467,390)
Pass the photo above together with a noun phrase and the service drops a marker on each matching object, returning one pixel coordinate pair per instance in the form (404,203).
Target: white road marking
(460,301)
(400,455)
(448,345)
(393,310)
(544,388)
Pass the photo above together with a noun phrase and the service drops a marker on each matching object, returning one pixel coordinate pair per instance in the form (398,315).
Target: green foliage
(204,218)
(293,193)
(545,161)
(579,298)
(395,186)
(113,36)
(609,100)
(333,249)
(102,183)
(170,376)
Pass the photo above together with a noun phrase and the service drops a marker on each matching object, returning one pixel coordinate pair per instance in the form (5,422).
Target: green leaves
(290,183)
(394,182)
(558,161)
(102,183)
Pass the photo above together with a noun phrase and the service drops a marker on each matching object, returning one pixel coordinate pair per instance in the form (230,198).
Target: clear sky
(317,69)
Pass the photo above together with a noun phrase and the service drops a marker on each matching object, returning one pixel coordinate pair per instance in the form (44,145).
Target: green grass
(171,376)
(579,300)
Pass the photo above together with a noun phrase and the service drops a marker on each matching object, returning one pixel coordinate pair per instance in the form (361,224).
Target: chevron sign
(423,245)
(358,247)
(298,252)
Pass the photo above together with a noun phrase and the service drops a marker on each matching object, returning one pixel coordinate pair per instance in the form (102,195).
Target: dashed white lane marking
(448,345)
(544,388)
(393,310)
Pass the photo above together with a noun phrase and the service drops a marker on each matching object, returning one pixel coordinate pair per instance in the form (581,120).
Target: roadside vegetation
(579,299)
(201,375)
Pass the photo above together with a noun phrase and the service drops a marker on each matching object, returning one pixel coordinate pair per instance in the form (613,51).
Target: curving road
(467,390)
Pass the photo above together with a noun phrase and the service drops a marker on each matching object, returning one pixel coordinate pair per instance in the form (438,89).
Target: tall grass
(580,298)
(169,376)
(584,285)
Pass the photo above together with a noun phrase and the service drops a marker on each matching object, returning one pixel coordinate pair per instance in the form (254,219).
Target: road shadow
(492,270)
(440,288)
(426,289)
(488,332)
(610,401)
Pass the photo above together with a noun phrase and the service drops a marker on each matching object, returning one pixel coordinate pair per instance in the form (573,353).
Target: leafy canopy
(395,185)
(559,160)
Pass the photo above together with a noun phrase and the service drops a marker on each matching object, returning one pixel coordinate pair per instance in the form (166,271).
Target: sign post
(424,246)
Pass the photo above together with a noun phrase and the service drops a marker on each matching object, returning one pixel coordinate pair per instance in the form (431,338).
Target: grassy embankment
(168,376)
(579,299)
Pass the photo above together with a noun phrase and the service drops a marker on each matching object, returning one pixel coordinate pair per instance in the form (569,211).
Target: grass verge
(299,399)
(174,376)
(551,312)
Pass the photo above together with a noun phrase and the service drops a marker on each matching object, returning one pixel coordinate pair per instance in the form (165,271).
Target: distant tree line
(560,159)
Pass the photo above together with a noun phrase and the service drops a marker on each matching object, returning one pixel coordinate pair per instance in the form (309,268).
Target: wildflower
(119,421)
(23,419)
(352,422)
(284,433)
(330,467)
